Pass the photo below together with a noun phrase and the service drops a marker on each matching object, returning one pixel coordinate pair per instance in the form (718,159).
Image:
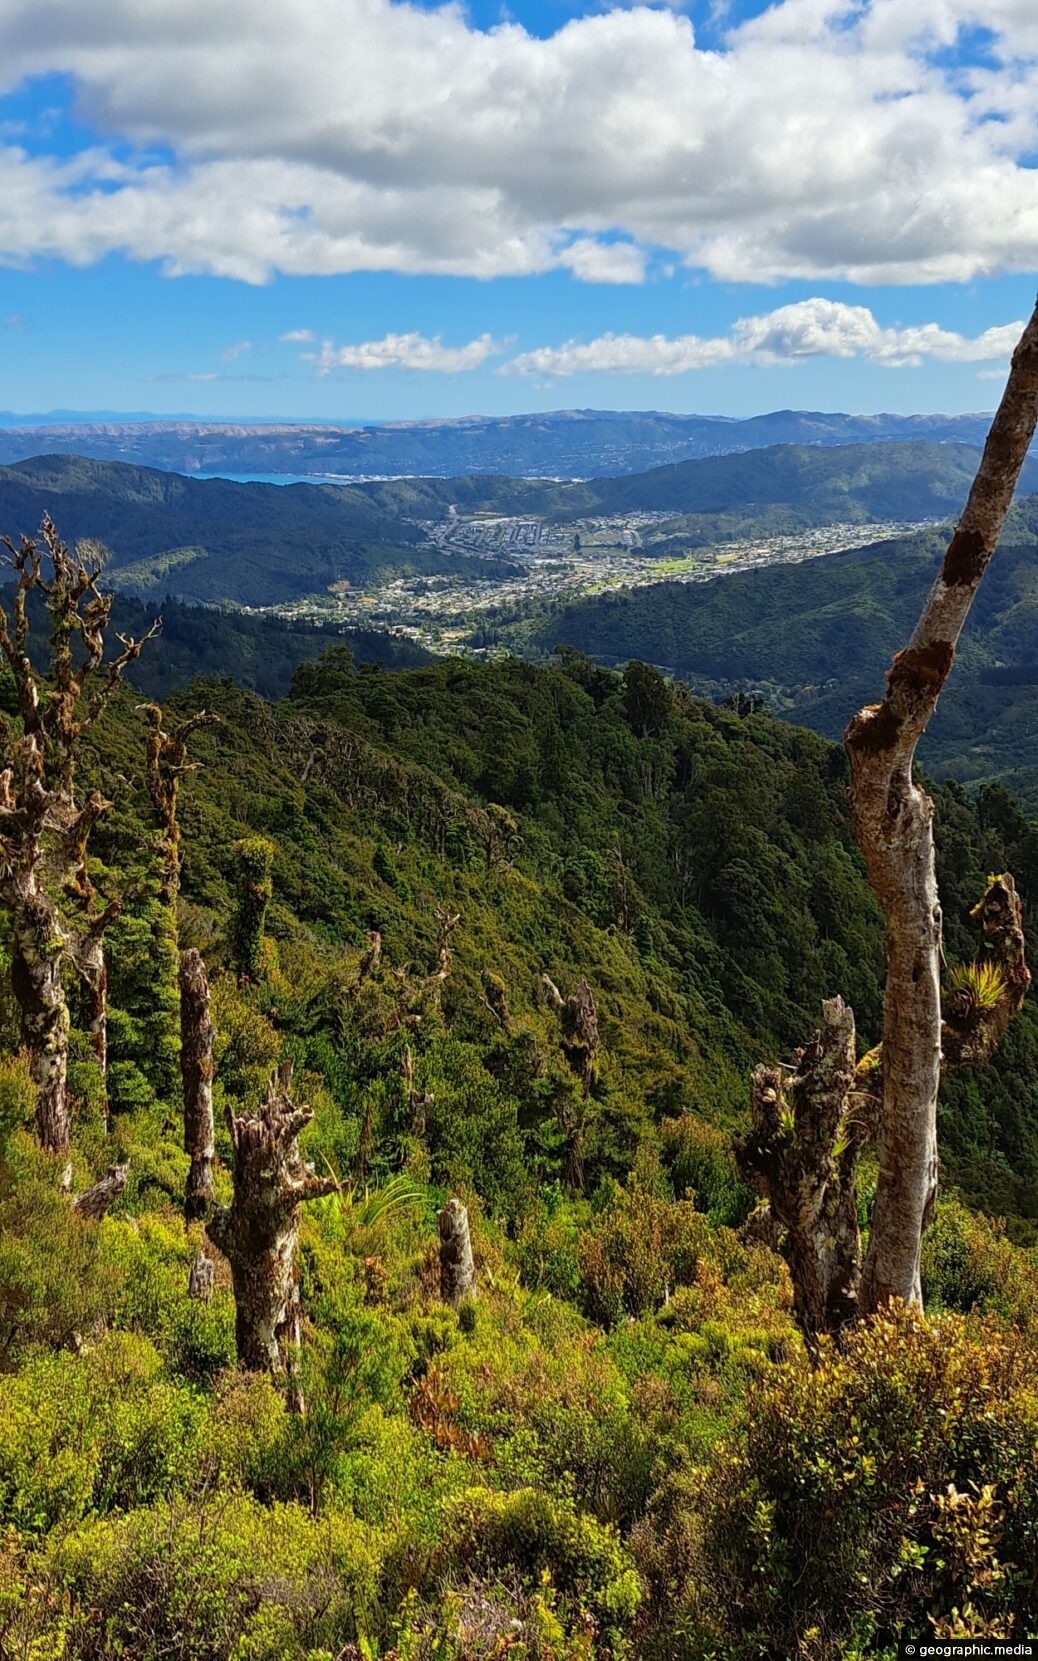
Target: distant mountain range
(557,444)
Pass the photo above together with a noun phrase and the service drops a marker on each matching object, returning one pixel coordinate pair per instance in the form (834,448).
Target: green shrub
(154,1254)
(17,1097)
(56,1279)
(485,1532)
(892,1488)
(637,1251)
(702,1165)
(92,1433)
(968,1264)
(218,1579)
(254,857)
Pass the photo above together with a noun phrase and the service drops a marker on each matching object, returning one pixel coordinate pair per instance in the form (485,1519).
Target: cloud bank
(809,329)
(826,139)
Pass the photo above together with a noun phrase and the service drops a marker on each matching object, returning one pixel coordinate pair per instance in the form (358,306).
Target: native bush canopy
(620,1449)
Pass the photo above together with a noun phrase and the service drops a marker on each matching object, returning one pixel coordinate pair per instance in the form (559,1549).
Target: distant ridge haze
(568,443)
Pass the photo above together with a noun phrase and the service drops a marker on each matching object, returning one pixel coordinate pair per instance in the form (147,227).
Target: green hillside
(258,653)
(576,1463)
(208,539)
(784,487)
(699,868)
(215,542)
(813,639)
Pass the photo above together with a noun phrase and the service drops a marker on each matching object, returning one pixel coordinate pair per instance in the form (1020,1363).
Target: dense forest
(259,652)
(807,638)
(499,944)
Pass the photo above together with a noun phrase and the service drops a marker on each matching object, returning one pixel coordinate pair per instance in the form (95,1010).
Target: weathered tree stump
(196,1071)
(802,1154)
(457,1265)
(258,1232)
(810,1125)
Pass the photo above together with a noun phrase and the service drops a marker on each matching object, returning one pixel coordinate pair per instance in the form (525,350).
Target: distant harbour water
(277,478)
(355,478)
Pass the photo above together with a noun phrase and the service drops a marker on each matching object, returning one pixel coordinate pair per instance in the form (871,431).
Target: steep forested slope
(577,1462)
(697,867)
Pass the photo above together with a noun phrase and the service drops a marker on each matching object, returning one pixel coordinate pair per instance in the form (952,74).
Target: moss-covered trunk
(93,977)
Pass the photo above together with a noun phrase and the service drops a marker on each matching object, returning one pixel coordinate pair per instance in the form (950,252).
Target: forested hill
(514,937)
(217,542)
(209,539)
(783,487)
(698,868)
(814,638)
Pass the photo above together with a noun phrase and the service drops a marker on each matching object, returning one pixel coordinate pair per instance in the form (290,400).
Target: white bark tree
(894,823)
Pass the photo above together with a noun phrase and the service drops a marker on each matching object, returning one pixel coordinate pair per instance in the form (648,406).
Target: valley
(554,564)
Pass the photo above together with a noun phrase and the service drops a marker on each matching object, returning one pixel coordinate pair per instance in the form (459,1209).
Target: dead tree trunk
(809,1127)
(802,1154)
(86,948)
(457,1265)
(894,823)
(201,1280)
(93,971)
(580,1045)
(39,945)
(94,1202)
(418,1101)
(44,828)
(196,1071)
(258,1232)
(87,952)
(448,921)
(580,1036)
(167,765)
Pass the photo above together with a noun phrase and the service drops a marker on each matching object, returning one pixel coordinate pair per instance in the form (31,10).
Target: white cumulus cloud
(825,139)
(405,351)
(808,329)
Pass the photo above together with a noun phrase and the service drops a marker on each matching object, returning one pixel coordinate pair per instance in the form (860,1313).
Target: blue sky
(450,211)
